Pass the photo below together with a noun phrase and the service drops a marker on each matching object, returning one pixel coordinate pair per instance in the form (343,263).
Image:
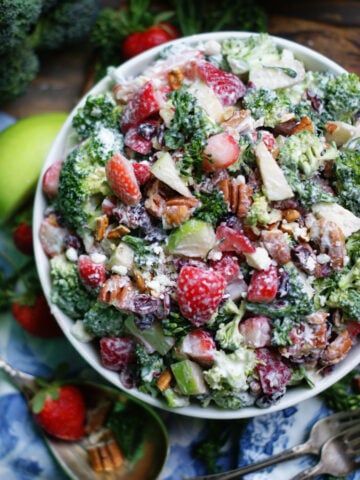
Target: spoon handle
(24,381)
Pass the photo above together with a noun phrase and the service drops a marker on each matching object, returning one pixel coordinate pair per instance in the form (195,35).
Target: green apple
(193,238)
(23,149)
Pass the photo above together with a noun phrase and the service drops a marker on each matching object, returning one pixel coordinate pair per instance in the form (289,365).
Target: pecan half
(164,380)
(176,215)
(101,225)
(118,232)
(155,202)
(331,240)
(237,195)
(175,78)
(105,457)
(337,349)
(117,291)
(276,244)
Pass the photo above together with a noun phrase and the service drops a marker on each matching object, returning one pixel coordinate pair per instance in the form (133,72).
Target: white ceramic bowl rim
(313,61)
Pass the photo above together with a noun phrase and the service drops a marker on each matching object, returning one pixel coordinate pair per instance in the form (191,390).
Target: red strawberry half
(228,266)
(263,286)
(199,292)
(141,106)
(199,346)
(23,238)
(138,42)
(142,172)
(231,240)
(63,413)
(137,142)
(121,177)
(221,151)
(256,331)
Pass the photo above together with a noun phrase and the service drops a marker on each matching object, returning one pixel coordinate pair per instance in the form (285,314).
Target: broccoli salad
(204,228)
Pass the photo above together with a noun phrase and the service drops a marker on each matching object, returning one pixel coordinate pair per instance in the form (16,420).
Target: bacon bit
(140,282)
(118,232)
(105,457)
(237,195)
(179,201)
(164,380)
(337,349)
(290,214)
(101,225)
(176,215)
(175,78)
(117,291)
(304,124)
(155,203)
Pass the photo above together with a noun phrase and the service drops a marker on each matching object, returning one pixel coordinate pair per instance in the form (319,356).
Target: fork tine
(351,436)
(346,416)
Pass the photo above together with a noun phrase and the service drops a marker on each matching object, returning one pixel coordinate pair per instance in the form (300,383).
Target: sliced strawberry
(264,285)
(137,142)
(63,416)
(92,274)
(227,86)
(199,292)
(50,181)
(228,266)
(273,373)
(122,180)
(353,328)
(141,106)
(200,346)
(231,240)
(142,172)
(256,331)
(221,151)
(117,353)
(23,238)
(52,236)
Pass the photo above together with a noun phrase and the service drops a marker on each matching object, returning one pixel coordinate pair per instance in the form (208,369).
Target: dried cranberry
(304,257)
(144,304)
(128,376)
(283,284)
(287,204)
(266,401)
(133,217)
(234,222)
(164,307)
(147,130)
(274,374)
(316,102)
(73,241)
(285,128)
(155,234)
(322,270)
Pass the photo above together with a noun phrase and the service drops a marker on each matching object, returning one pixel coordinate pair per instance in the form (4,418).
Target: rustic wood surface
(331,27)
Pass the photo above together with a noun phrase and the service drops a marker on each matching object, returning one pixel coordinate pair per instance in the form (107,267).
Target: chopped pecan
(176,215)
(337,349)
(164,380)
(276,244)
(290,214)
(101,225)
(118,232)
(304,124)
(105,457)
(177,201)
(317,318)
(175,78)
(237,195)
(155,203)
(139,281)
(117,291)
(234,118)
(331,240)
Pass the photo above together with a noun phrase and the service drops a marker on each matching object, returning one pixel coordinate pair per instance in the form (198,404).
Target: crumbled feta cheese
(71,254)
(98,257)
(259,259)
(212,47)
(323,258)
(214,255)
(79,332)
(120,269)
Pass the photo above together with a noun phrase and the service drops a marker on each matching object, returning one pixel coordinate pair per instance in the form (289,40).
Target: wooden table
(331,27)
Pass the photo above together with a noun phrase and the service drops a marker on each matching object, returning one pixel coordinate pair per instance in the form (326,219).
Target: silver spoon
(73,456)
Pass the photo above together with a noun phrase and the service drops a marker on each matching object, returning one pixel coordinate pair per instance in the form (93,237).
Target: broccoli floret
(300,156)
(347,174)
(267,104)
(213,207)
(82,188)
(16,19)
(259,213)
(300,375)
(104,320)
(67,23)
(67,292)
(150,366)
(348,301)
(353,246)
(280,332)
(342,97)
(295,305)
(17,69)
(241,55)
(232,400)
(228,334)
(98,111)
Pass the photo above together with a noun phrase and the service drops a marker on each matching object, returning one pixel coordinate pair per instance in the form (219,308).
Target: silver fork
(320,433)
(339,456)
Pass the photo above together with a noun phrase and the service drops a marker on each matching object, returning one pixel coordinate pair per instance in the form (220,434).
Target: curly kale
(294,306)
(213,207)
(104,320)
(150,367)
(99,111)
(347,175)
(267,104)
(82,187)
(188,130)
(67,292)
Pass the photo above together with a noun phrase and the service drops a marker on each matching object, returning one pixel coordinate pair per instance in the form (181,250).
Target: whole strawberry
(138,42)
(23,238)
(61,411)
(35,317)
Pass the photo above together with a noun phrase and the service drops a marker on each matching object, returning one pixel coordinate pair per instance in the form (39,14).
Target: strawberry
(221,151)
(52,236)
(231,240)
(263,286)
(227,86)
(92,274)
(142,172)
(353,328)
(122,180)
(138,42)
(136,142)
(50,181)
(62,413)
(36,317)
(199,292)
(228,266)
(256,331)
(143,104)
(23,238)
(117,353)
(273,373)
(200,346)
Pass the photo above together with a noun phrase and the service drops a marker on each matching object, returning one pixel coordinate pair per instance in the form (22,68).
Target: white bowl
(313,61)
